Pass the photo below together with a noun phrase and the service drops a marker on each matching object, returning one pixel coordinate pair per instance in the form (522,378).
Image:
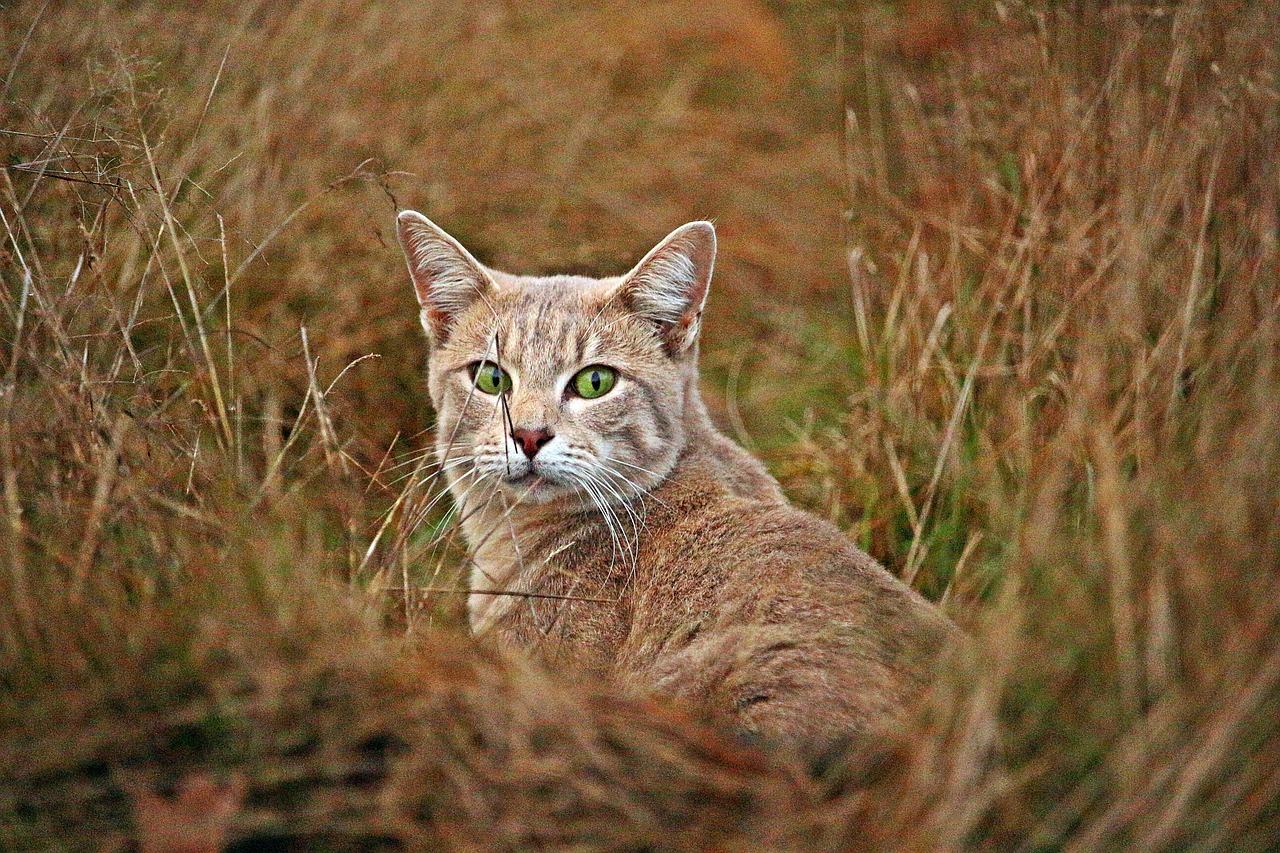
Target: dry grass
(1067,418)
(1037,372)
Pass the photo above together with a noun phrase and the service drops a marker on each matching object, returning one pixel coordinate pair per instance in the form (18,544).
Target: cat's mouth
(530,478)
(534,484)
(533,487)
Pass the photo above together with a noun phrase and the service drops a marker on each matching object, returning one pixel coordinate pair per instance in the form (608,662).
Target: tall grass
(1037,374)
(1067,415)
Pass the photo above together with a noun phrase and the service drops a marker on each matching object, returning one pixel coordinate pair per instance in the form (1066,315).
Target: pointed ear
(669,287)
(445,275)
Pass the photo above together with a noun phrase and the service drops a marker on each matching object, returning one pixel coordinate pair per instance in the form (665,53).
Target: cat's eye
(490,378)
(594,381)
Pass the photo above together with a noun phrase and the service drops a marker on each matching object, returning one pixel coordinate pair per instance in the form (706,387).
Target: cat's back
(714,549)
(721,516)
(770,616)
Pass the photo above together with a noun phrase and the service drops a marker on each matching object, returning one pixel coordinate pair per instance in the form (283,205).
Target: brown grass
(1036,370)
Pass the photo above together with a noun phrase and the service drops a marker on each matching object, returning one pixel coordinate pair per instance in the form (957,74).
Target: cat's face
(562,387)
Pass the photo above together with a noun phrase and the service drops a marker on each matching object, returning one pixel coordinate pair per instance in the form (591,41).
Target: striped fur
(660,554)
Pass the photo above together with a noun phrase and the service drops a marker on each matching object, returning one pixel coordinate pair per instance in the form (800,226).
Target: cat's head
(560,386)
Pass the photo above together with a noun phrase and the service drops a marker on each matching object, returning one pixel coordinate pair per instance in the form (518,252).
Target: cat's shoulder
(723,498)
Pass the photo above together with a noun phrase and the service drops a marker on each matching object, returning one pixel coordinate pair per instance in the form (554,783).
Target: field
(998,292)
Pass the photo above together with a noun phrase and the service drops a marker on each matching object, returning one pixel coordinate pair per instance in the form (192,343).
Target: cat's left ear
(669,286)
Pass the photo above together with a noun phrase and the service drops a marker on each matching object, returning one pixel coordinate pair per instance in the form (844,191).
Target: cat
(614,532)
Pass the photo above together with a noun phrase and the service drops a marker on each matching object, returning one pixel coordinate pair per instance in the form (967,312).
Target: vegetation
(999,292)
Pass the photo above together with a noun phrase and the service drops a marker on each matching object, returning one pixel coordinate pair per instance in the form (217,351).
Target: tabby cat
(614,532)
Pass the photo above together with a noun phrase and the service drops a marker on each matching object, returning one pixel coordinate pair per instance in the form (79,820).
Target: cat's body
(615,532)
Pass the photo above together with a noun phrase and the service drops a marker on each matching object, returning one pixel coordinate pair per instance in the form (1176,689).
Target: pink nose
(532,440)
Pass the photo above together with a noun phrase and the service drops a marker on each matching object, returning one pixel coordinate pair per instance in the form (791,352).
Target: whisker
(412,459)
(640,492)
(602,505)
(615,460)
(448,466)
(622,545)
(420,513)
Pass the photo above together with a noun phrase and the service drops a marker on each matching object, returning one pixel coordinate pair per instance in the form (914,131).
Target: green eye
(490,378)
(594,381)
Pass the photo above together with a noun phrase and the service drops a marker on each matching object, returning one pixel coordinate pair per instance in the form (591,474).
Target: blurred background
(545,136)
(997,293)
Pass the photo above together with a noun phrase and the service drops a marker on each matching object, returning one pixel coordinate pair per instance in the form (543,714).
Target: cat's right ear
(445,275)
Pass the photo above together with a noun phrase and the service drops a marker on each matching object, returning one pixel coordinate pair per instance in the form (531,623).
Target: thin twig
(510,592)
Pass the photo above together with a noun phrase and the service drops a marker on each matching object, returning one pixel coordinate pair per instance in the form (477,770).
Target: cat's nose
(532,440)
